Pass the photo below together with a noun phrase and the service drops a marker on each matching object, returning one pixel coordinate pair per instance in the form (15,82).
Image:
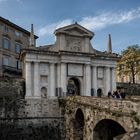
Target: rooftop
(6,21)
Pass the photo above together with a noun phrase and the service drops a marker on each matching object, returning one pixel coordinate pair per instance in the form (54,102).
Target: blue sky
(120,18)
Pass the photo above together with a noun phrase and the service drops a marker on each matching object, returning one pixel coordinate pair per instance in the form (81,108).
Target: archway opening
(73,87)
(107,129)
(78,125)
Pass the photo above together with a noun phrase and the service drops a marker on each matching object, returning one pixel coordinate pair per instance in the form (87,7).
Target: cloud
(106,19)
(2,1)
(19,1)
(49,29)
(97,22)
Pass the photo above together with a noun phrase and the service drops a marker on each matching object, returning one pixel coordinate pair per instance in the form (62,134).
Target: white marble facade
(50,69)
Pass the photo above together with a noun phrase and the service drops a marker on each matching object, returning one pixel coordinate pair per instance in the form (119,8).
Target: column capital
(63,62)
(113,68)
(35,61)
(52,63)
(107,67)
(88,64)
(94,66)
(27,62)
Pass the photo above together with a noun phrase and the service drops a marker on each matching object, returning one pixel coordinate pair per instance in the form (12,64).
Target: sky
(120,18)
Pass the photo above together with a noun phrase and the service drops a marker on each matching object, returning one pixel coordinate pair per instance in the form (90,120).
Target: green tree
(129,64)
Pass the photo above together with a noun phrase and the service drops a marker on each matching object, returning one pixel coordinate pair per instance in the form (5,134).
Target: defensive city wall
(28,119)
(67,118)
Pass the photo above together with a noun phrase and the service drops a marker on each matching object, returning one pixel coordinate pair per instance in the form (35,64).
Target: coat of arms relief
(73,44)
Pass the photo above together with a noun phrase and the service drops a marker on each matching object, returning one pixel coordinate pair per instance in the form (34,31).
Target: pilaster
(88,79)
(28,80)
(52,79)
(113,71)
(94,78)
(64,78)
(107,80)
(58,75)
(87,42)
(36,80)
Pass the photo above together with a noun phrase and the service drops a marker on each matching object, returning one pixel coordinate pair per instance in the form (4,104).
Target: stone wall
(130,89)
(12,86)
(43,119)
(31,119)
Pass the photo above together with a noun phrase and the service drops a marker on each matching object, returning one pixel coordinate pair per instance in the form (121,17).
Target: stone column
(94,80)
(28,80)
(1,73)
(58,75)
(64,78)
(88,80)
(107,80)
(52,79)
(58,82)
(113,70)
(36,80)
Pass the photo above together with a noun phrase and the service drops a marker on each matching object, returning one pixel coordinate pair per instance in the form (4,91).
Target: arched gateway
(107,129)
(78,125)
(73,87)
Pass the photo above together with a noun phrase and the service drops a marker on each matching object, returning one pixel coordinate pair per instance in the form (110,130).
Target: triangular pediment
(75,29)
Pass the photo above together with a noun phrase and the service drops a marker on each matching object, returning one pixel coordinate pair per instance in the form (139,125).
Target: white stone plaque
(44,69)
(100,72)
(75,70)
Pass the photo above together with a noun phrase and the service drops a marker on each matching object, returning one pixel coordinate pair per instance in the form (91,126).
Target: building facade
(12,39)
(71,66)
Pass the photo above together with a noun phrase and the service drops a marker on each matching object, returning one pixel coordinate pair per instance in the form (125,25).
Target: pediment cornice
(74,30)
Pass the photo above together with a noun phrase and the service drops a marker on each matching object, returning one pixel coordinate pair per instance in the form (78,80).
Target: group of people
(118,94)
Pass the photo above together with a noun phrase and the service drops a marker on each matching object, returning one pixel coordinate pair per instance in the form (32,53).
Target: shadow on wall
(11,132)
(78,125)
(107,129)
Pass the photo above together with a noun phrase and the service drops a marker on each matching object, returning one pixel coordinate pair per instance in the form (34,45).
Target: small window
(18,34)
(6,60)
(18,47)
(6,43)
(1,26)
(6,29)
